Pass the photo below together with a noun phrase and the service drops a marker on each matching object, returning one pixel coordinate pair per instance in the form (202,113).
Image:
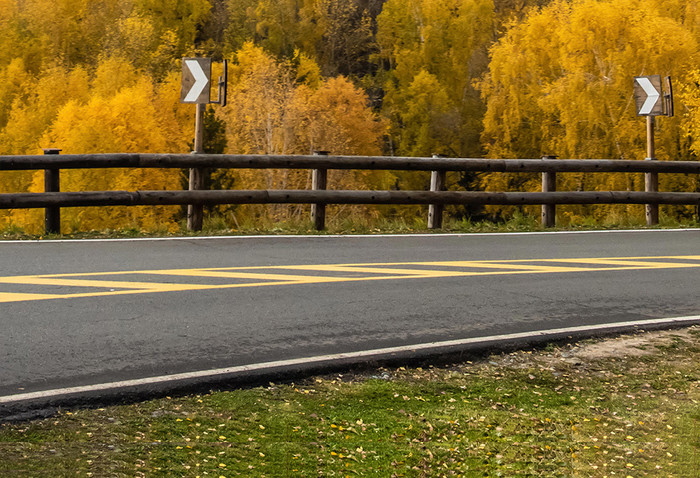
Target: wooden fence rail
(305,196)
(234,161)
(53,199)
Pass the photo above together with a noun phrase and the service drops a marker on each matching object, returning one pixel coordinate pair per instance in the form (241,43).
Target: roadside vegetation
(218,226)
(627,406)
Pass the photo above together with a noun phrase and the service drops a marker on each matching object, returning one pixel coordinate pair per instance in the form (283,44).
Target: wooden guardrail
(52,199)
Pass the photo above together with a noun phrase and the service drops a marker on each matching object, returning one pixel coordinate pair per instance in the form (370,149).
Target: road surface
(85,313)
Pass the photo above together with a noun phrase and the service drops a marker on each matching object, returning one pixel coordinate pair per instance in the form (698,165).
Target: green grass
(553,412)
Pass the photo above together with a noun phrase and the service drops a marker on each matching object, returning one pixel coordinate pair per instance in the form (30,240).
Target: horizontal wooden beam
(184,161)
(162,198)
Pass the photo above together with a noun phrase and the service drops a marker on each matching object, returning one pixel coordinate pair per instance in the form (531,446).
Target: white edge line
(47,394)
(344,236)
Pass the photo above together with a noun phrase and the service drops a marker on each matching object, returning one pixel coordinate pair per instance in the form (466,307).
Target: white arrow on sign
(652,95)
(200,80)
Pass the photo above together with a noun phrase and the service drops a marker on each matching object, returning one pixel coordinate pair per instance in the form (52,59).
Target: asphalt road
(77,313)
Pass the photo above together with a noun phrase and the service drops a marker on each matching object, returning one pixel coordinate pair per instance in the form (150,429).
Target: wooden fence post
(52,184)
(437,183)
(319,182)
(549,184)
(195,212)
(651,180)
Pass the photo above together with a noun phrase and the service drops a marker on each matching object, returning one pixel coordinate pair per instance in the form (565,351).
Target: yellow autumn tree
(274,110)
(335,117)
(15,90)
(560,82)
(429,54)
(689,95)
(260,91)
(441,46)
(685,12)
(157,33)
(337,34)
(33,110)
(132,117)
(260,87)
(67,32)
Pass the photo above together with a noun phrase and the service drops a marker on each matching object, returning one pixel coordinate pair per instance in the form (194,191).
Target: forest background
(460,78)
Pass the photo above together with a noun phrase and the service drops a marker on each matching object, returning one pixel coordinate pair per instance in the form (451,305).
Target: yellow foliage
(181,17)
(36,110)
(685,12)
(259,91)
(70,32)
(33,110)
(268,114)
(561,82)
(113,74)
(440,45)
(307,71)
(135,38)
(690,97)
(129,121)
(335,117)
(14,83)
(104,75)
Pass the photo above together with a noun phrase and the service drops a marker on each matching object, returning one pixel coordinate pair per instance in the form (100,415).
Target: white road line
(346,236)
(365,354)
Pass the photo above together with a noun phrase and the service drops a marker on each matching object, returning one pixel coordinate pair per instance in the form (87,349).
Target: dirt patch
(585,354)
(638,345)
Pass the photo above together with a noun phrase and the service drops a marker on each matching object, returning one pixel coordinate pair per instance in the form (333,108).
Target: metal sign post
(652,101)
(196,88)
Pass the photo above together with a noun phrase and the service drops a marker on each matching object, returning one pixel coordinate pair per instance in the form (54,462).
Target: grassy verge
(627,407)
(217,226)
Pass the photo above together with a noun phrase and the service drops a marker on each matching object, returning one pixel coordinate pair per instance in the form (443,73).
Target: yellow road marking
(150,286)
(243,275)
(277,275)
(375,270)
(635,263)
(582,260)
(17,297)
(506,265)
